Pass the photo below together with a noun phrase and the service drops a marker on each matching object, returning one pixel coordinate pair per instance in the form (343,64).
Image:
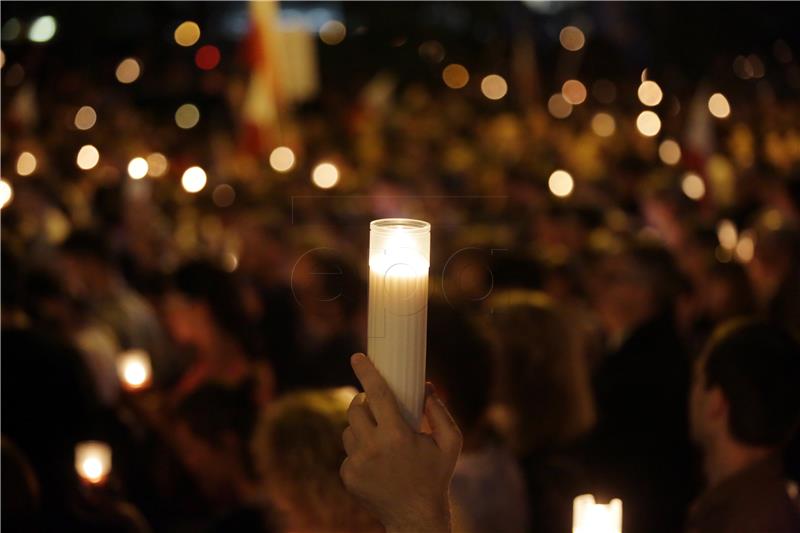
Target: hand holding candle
(399,257)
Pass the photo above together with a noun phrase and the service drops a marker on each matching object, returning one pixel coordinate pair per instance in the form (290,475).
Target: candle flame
(400,257)
(591,517)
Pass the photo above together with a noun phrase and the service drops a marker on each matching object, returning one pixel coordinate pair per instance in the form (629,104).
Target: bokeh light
(332,32)
(187,116)
(43,29)
(432,51)
(187,33)
(494,87)
(230,262)
(128,70)
(325,175)
(746,247)
(692,186)
(571,38)
(669,151)
(134,369)
(194,179)
(455,76)
(650,93)
(26,164)
(88,157)
(85,118)
(157,165)
(558,107)
(757,66)
(648,123)
(281,159)
(224,195)
(727,234)
(603,124)
(207,57)
(573,92)
(137,168)
(92,460)
(6,193)
(718,105)
(11,29)
(561,183)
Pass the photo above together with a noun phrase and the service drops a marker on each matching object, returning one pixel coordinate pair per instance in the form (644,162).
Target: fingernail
(357,358)
(430,389)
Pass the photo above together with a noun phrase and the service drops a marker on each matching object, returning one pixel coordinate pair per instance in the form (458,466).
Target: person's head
(213,427)
(87,262)
(297,448)
(543,377)
(459,364)
(729,293)
(745,387)
(777,257)
(202,305)
(633,285)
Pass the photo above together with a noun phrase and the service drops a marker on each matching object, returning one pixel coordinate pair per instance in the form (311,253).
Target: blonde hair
(543,378)
(298,450)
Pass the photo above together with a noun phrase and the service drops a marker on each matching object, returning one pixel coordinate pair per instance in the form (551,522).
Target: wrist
(433,520)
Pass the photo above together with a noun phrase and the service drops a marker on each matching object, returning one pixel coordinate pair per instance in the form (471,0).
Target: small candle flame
(93,461)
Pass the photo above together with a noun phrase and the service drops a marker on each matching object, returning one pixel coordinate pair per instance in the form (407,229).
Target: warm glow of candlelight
(693,186)
(727,234)
(187,33)
(137,168)
(88,157)
(281,159)
(134,369)
(648,123)
(128,70)
(325,175)
(26,164)
(194,179)
(93,461)
(494,87)
(718,105)
(399,257)
(591,517)
(6,193)
(561,183)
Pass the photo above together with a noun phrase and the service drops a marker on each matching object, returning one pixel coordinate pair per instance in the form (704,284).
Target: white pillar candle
(399,258)
(93,460)
(134,369)
(591,517)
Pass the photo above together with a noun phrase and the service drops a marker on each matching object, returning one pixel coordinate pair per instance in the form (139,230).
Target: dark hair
(757,366)
(88,244)
(203,280)
(214,409)
(459,362)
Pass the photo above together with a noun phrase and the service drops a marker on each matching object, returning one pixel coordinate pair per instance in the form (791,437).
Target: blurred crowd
(563,325)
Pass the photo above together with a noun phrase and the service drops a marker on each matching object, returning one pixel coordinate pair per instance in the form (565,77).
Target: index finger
(382,402)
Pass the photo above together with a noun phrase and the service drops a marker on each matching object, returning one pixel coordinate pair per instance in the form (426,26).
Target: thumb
(444,429)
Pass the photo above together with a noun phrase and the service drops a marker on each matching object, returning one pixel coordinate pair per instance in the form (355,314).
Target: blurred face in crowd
(189,321)
(83,276)
(213,466)
(707,407)
(620,293)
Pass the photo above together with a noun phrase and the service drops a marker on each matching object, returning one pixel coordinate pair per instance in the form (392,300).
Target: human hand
(400,475)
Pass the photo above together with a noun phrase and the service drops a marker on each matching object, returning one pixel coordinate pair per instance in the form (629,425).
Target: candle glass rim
(411,225)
